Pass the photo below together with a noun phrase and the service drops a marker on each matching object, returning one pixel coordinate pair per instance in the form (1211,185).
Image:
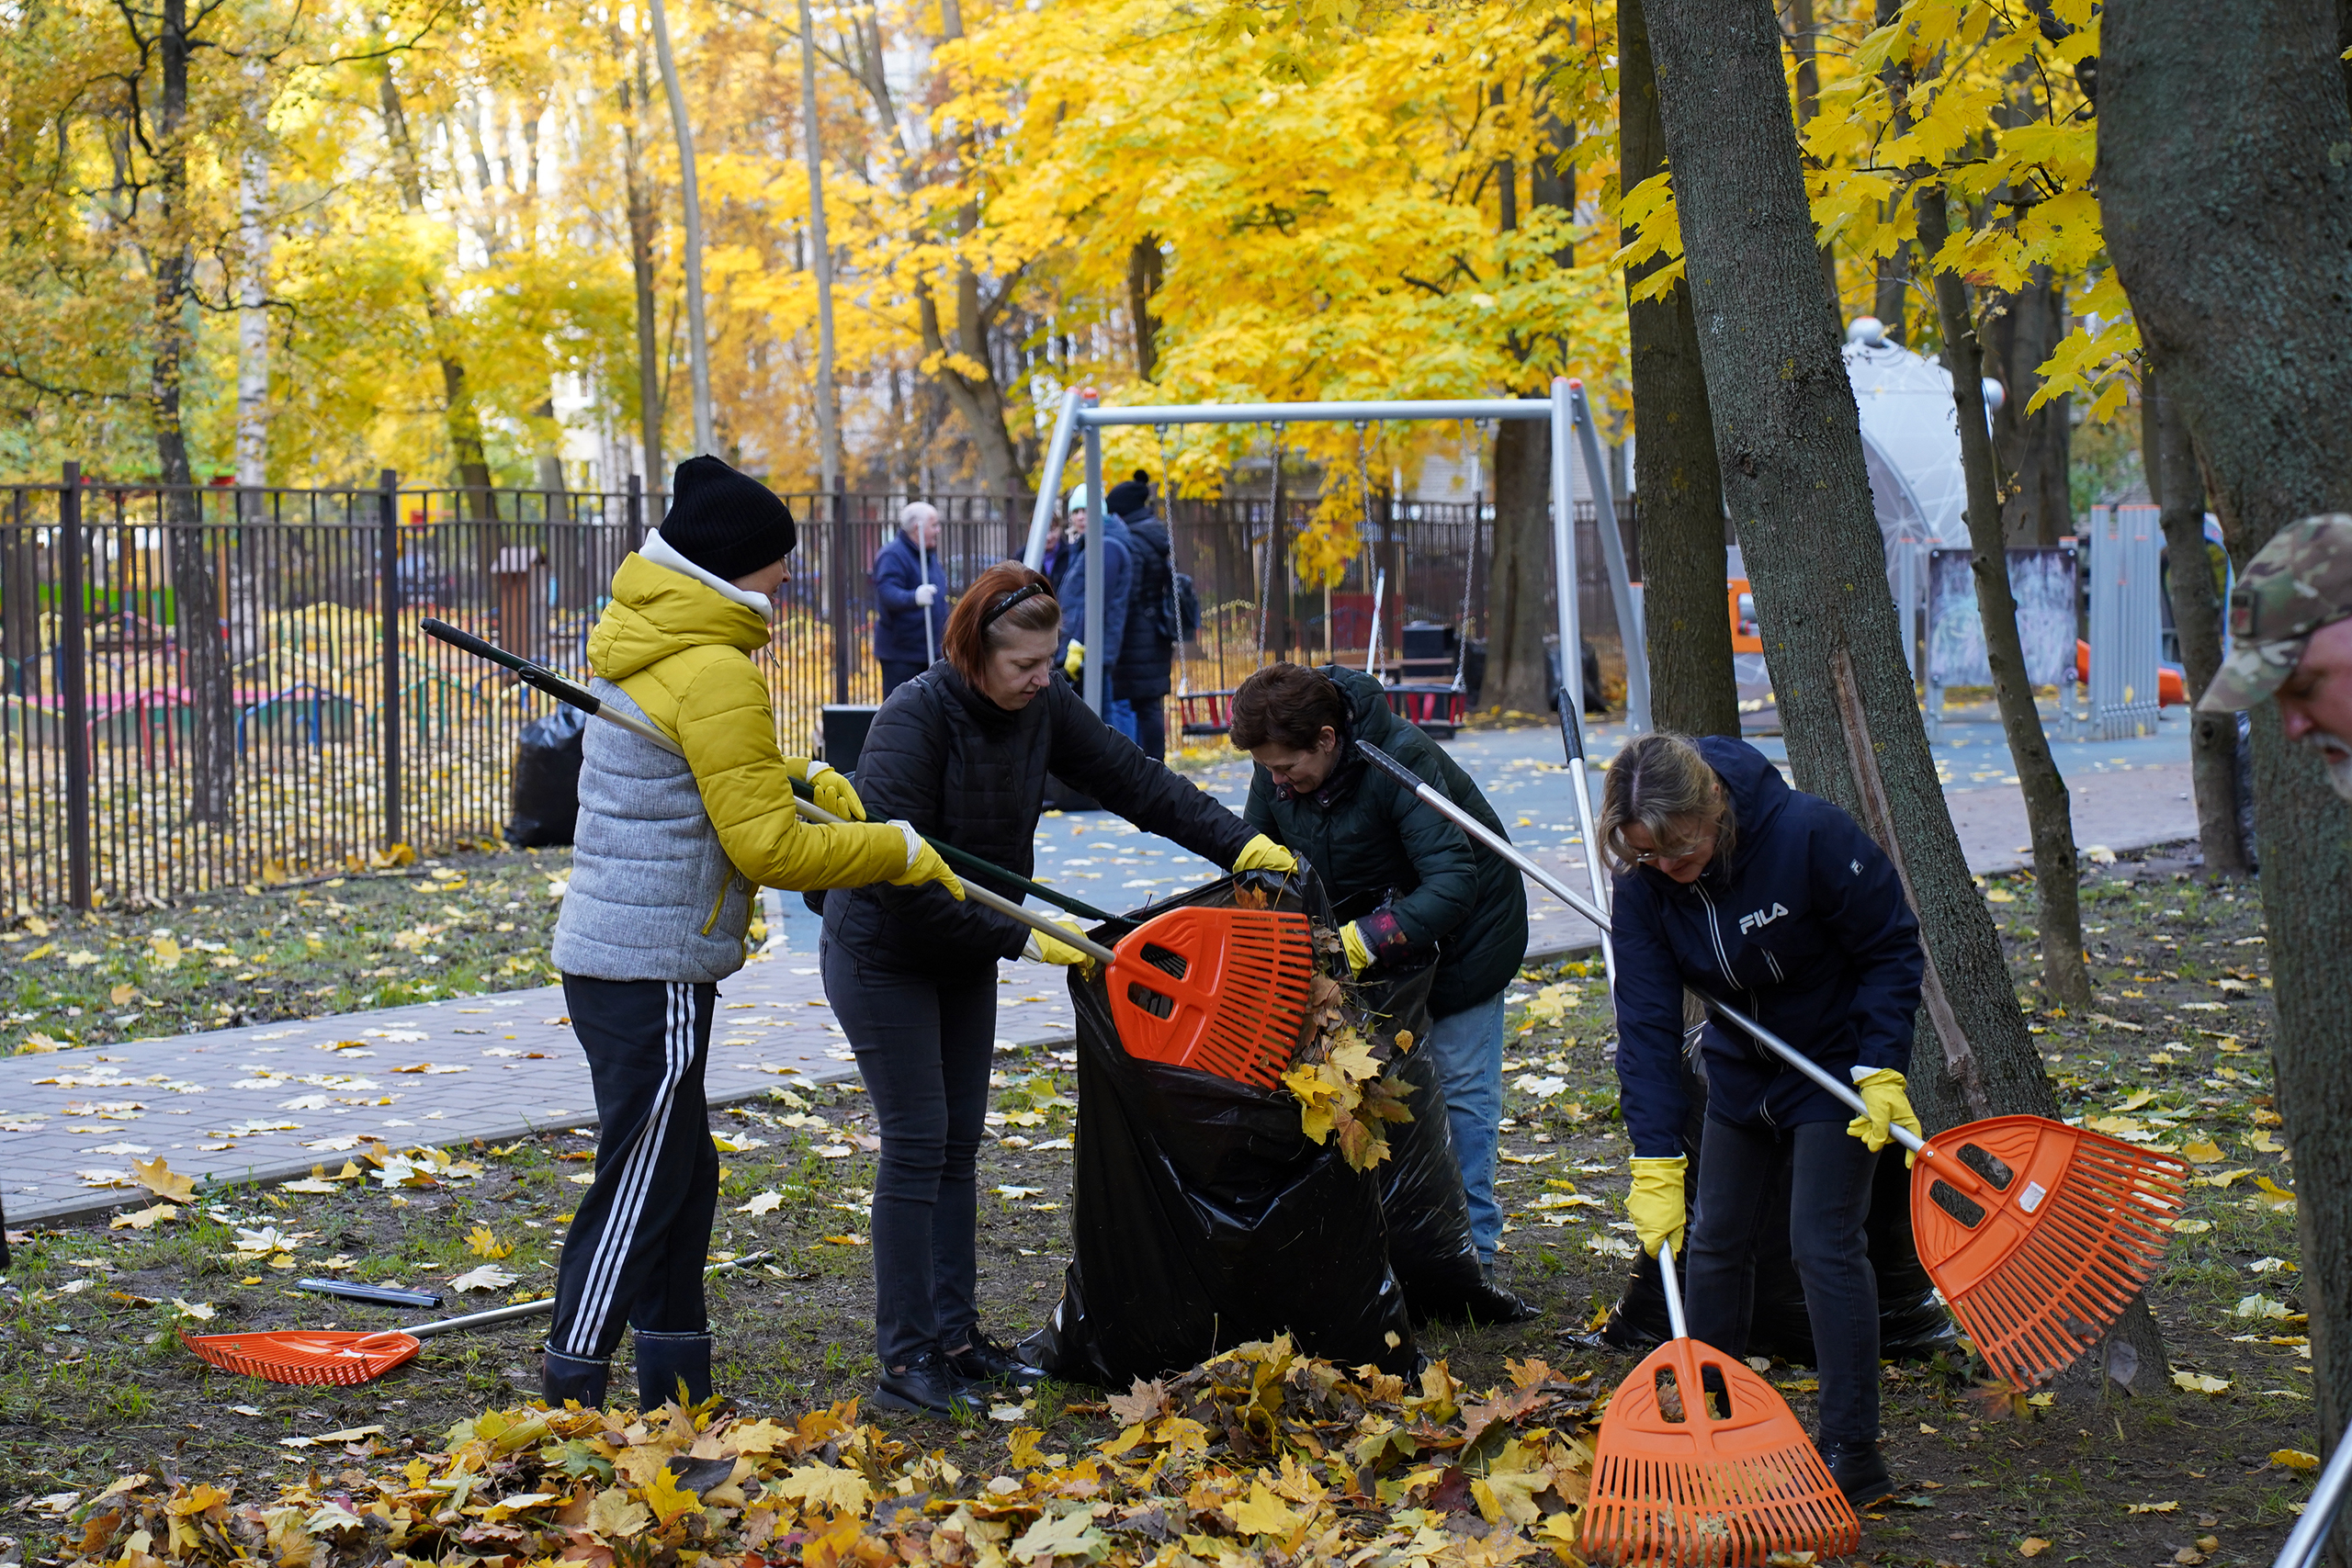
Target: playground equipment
(1571,420)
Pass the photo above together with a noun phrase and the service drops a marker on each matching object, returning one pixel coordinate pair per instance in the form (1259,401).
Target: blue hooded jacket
(898,628)
(1803,927)
(1070,587)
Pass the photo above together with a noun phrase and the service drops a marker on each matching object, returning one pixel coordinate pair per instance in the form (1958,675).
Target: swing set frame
(1570,417)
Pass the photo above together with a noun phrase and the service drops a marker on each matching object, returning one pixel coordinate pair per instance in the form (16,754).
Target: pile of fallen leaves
(1260,1455)
(1340,1077)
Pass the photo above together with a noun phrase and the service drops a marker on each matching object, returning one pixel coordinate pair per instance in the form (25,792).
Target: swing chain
(1470,566)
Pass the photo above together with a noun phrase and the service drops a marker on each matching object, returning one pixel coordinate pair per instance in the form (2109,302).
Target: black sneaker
(985,1360)
(927,1385)
(1860,1471)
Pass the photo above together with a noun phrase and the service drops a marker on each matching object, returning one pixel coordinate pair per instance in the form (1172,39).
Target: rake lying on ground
(314,1356)
(2037,1234)
(1222,991)
(1721,1474)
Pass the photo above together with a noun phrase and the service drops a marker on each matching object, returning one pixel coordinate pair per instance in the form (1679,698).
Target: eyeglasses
(1659,857)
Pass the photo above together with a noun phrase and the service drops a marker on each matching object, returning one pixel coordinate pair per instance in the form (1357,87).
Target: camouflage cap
(2300,582)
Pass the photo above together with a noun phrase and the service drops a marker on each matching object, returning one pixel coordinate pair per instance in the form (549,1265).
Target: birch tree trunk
(2226,192)
(253,312)
(2049,817)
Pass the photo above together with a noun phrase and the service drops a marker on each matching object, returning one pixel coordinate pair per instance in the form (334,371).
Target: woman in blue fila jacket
(1732,883)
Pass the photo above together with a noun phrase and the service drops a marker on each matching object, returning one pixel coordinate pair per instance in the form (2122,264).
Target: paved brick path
(272,1101)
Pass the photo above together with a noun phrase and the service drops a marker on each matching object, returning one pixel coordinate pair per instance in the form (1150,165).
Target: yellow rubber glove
(1889,1100)
(1358,955)
(1047,950)
(924,864)
(827,787)
(1656,1205)
(1261,854)
(1075,660)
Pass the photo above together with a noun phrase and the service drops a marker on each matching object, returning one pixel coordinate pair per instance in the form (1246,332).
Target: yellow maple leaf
(1262,1512)
(826,1486)
(614,1512)
(2202,1151)
(141,1219)
(157,1176)
(484,1244)
(2032,1546)
(2294,1458)
(667,1499)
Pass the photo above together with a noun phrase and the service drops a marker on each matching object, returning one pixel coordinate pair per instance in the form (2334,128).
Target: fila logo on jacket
(1758,918)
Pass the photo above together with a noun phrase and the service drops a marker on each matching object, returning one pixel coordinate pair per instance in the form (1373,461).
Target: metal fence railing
(213,686)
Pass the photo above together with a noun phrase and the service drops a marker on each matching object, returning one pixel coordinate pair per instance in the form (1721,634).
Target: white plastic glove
(925,594)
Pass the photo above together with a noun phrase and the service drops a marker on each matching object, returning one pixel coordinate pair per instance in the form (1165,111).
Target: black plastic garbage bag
(1202,1216)
(1430,1245)
(547,780)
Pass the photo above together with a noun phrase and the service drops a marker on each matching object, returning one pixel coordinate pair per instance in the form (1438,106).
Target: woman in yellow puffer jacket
(669,854)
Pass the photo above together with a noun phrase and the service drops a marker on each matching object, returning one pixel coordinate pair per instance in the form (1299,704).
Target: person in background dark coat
(911,583)
(962,751)
(1732,885)
(1070,588)
(1148,649)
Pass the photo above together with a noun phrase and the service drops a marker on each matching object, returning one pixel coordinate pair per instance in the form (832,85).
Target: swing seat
(1206,712)
(1437,709)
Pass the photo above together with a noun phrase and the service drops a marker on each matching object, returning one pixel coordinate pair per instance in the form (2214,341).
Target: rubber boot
(663,1360)
(563,1378)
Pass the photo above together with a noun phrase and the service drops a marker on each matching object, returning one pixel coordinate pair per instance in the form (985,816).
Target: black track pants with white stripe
(637,1249)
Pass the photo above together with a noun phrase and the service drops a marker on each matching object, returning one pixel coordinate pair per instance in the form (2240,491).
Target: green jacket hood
(656,612)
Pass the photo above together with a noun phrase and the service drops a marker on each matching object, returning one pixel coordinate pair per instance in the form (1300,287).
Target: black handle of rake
(533,1309)
(1501,847)
(540,678)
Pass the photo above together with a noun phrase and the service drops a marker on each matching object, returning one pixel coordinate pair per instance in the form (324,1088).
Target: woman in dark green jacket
(1406,880)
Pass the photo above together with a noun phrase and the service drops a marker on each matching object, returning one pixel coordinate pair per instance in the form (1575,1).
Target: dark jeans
(924,1047)
(1151,726)
(636,1248)
(897,672)
(1829,1200)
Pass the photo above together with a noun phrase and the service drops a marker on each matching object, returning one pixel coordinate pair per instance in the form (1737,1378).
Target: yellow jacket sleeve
(723,721)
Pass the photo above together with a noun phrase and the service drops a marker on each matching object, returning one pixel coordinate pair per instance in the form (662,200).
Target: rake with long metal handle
(540,678)
(2037,1234)
(2308,1540)
(1725,1474)
(328,1356)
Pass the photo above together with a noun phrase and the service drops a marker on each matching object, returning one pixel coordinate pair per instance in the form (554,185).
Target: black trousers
(637,1249)
(1829,1200)
(897,672)
(1151,726)
(923,1046)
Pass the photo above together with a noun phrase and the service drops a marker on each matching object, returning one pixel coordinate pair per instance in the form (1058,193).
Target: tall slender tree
(2178,485)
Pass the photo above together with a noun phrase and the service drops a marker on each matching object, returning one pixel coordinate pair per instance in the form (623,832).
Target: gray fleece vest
(653,896)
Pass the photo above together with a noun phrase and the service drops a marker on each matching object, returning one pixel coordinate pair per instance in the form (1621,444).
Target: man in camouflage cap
(2290,630)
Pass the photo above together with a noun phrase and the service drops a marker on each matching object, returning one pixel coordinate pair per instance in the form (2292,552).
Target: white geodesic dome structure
(1910,440)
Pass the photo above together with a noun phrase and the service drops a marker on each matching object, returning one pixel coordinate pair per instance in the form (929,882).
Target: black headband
(1018,597)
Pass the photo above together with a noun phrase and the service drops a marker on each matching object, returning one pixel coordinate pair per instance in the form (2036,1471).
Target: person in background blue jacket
(911,582)
(1732,883)
(1070,587)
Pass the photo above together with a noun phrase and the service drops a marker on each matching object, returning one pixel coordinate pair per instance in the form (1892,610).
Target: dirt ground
(94,1382)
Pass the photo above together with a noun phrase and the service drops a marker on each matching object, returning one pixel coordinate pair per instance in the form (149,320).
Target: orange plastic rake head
(298,1356)
(2039,1235)
(1700,1461)
(1221,991)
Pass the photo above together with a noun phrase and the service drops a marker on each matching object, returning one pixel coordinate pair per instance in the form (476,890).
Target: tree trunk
(1891,296)
(1789,444)
(1518,601)
(2227,203)
(460,425)
(2179,489)
(1804,54)
(641,221)
(252,302)
(2048,820)
(2034,448)
(1687,616)
(1143,282)
(211,759)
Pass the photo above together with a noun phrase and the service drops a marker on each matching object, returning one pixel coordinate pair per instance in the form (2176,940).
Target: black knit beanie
(728,523)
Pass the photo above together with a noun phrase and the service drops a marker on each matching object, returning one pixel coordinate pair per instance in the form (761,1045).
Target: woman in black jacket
(962,751)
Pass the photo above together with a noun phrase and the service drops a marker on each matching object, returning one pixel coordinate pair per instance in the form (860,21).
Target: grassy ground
(94,1382)
(454,926)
